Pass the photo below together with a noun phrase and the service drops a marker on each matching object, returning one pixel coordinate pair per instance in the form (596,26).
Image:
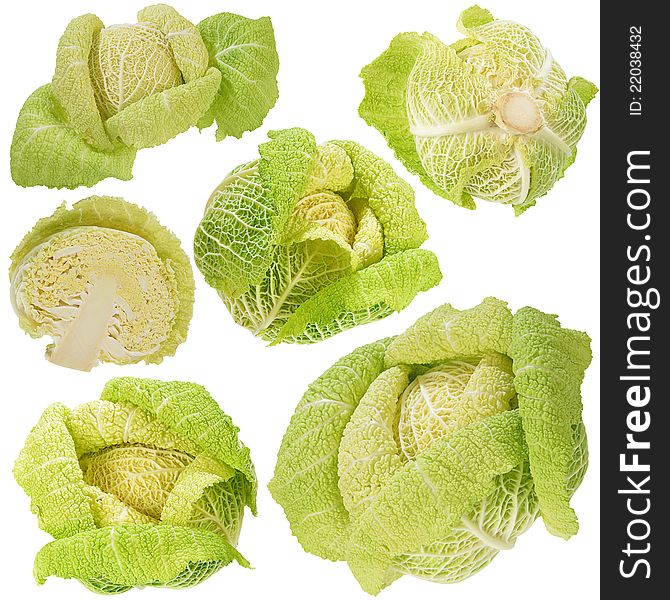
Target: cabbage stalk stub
(429,453)
(310,240)
(106,281)
(492,116)
(145,487)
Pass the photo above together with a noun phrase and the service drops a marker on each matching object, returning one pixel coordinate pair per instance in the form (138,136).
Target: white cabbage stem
(517,112)
(79,347)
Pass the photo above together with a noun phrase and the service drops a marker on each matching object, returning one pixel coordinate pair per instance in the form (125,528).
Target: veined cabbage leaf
(308,240)
(145,487)
(106,281)
(121,88)
(429,453)
(492,116)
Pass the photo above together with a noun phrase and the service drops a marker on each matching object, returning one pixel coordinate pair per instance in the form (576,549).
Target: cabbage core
(518,112)
(128,63)
(330,211)
(140,477)
(451,396)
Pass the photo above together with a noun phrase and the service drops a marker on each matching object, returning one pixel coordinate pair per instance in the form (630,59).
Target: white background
(547,258)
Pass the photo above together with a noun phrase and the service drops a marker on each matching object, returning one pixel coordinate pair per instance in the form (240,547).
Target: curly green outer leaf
(135,555)
(391,284)
(474,16)
(585,89)
(385,101)
(157,118)
(314,258)
(285,165)
(208,495)
(305,477)
(447,333)
(492,527)
(549,365)
(390,197)
(368,454)
(47,151)
(189,411)
(248,213)
(71,84)
(48,471)
(243,50)
(431,493)
(107,509)
(202,473)
(97,425)
(332,170)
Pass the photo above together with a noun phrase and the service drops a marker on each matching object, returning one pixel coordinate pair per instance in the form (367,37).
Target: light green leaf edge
(158,118)
(392,282)
(305,481)
(134,555)
(549,364)
(196,477)
(177,109)
(284,166)
(47,151)
(71,84)
(48,470)
(183,37)
(244,51)
(432,492)
(447,333)
(472,17)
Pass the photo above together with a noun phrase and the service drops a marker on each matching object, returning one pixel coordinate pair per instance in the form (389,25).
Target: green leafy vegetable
(105,281)
(121,88)
(429,453)
(492,116)
(146,486)
(308,240)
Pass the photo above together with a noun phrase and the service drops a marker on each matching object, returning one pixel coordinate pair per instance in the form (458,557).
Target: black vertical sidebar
(635,264)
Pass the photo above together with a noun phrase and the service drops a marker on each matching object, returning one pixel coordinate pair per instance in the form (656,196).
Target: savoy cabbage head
(121,88)
(306,241)
(106,281)
(492,116)
(429,453)
(145,487)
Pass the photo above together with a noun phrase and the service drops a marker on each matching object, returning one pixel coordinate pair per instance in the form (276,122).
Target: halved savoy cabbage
(106,281)
(492,116)
(429,453)
(121,88)
(307,241)
(145,487)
